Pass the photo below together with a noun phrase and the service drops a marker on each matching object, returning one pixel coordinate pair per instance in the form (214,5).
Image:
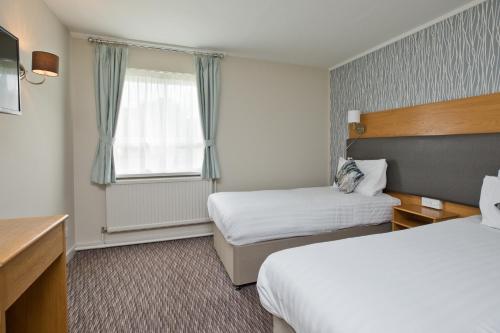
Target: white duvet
(249,217)
(439,278)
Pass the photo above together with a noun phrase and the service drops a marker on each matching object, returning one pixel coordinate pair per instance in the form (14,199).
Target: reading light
(42,63)
(354,120)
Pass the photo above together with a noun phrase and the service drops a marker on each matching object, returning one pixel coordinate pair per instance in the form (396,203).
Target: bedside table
(411,216)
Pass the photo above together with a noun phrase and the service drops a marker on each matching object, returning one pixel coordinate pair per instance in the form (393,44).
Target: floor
(174,286)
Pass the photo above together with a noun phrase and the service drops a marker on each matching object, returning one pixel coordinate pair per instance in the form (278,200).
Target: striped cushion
(348,177)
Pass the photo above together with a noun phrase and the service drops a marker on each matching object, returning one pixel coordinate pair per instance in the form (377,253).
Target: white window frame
(157,177)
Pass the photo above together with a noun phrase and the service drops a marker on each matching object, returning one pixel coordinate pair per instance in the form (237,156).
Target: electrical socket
(432,203)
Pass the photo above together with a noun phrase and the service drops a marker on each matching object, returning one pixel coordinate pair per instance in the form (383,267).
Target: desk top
(17,234)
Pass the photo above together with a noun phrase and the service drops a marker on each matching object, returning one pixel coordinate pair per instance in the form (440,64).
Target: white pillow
(375,178)
(490,196)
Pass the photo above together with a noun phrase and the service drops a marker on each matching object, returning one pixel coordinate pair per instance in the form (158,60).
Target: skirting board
(70,253)
(104,245)
(133,238)
(146,236)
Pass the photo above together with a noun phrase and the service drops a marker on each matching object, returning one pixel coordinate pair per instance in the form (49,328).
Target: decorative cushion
(375,176)
(348,177)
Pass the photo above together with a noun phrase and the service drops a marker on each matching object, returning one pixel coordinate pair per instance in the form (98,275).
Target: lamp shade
(353,116)
(45,63)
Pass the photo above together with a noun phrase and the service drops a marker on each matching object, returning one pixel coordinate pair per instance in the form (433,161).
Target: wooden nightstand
(411,216)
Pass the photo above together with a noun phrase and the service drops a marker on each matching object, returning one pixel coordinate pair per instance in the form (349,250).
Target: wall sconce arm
(23,75)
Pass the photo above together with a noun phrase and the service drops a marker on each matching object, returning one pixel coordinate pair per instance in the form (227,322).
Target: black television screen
(10,101)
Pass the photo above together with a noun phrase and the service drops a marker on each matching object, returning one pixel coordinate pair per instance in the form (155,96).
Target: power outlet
(432,203)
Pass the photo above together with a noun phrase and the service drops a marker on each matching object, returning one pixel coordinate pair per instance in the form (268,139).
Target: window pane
(159,128)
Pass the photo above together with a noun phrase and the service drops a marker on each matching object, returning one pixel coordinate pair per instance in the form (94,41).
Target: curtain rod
(155,47)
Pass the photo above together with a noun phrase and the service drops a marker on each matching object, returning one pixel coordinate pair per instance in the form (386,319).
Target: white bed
(442,278)
(256,216)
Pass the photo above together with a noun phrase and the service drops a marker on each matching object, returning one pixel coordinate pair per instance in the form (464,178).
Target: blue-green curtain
(109,75)
(208,84)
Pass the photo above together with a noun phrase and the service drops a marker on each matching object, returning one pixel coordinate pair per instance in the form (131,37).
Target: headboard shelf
(473,115)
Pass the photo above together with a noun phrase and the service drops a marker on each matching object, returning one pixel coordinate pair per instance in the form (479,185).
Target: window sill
(160,179)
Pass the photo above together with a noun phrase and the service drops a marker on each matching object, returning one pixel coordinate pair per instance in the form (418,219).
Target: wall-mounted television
(10,95)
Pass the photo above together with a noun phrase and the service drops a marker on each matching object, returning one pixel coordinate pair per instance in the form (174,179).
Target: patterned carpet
(174,286)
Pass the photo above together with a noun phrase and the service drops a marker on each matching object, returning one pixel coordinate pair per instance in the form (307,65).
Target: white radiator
(133,205)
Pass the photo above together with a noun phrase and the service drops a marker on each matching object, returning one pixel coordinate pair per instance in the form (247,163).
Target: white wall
(273,126)
(36,169)
(273,131)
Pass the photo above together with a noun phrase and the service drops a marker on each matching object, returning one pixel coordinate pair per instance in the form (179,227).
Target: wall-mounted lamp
(42,63)
(354,120)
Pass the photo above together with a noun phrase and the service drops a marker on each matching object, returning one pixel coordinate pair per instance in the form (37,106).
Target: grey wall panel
(449,168)
(455,58)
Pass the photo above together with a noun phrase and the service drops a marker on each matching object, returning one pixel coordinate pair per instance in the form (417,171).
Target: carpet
(173,286)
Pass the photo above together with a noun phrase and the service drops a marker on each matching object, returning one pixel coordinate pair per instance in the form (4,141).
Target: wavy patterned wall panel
(455,58)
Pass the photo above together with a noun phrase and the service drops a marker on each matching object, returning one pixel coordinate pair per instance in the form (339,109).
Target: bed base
(281,326)
(242,263)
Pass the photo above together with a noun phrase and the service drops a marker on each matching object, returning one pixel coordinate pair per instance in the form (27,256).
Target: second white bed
(438,278)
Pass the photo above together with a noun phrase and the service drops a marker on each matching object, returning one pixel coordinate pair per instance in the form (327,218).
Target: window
(159,130)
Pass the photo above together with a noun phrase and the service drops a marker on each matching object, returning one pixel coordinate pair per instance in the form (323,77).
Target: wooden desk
(33,275)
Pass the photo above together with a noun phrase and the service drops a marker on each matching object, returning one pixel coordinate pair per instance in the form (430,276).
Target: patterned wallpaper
(455,58)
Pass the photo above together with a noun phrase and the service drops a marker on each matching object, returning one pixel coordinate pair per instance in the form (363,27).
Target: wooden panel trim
(473,115)
(42,308)
(26,267)
(17,235)
(33,295)
(459,209)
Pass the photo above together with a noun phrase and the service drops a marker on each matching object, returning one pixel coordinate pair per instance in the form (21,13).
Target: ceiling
(319,33)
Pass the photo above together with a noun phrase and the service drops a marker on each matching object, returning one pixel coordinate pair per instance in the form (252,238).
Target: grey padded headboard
(449,168)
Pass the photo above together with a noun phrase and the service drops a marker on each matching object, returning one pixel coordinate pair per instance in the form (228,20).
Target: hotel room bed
(251,225)
(438,278)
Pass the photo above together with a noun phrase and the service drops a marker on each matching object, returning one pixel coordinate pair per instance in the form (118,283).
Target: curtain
(159,128)
(208,83)
(109,74)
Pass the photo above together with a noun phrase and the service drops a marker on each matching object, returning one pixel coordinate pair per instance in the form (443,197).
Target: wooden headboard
(475,115)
